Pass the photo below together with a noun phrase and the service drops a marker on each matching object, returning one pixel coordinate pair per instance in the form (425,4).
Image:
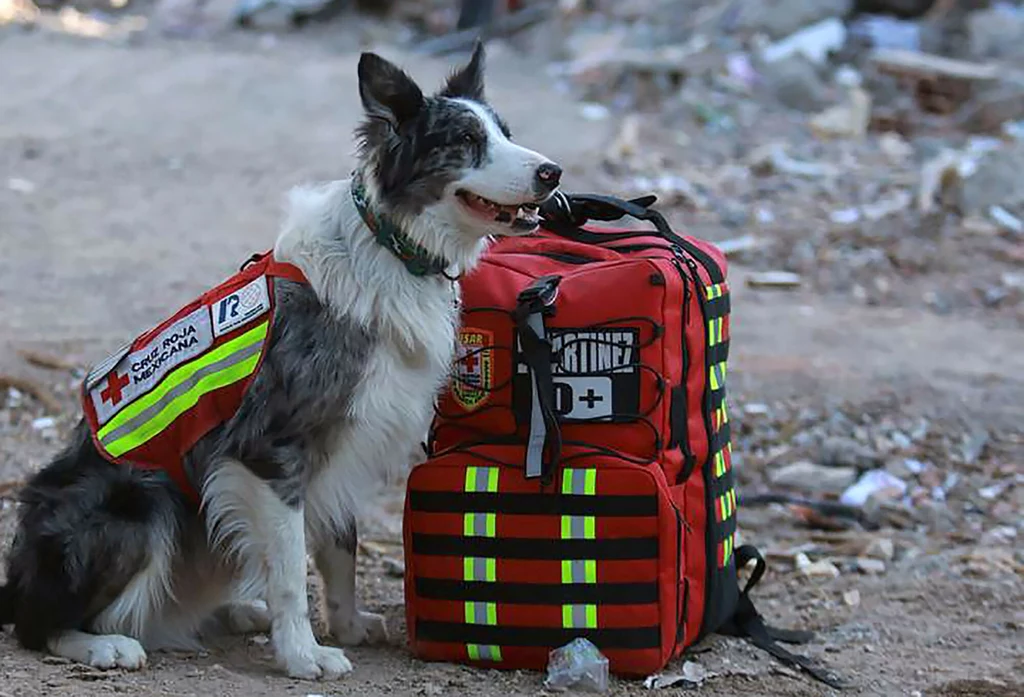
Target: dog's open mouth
(523,217)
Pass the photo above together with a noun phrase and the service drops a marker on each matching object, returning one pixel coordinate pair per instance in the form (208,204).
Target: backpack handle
(566,214)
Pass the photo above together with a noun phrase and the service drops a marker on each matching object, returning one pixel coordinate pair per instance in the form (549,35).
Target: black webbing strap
(565,214)
(532,304)
(748,624)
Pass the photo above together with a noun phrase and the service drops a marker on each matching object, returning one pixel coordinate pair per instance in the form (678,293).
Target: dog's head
(444,166)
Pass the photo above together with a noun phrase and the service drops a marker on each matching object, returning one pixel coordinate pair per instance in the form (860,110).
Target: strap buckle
(538,296)
(532,304)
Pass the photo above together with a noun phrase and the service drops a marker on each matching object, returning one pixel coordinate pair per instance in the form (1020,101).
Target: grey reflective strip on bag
(538,428)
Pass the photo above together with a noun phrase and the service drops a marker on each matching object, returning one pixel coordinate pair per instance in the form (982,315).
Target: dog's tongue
(515,216)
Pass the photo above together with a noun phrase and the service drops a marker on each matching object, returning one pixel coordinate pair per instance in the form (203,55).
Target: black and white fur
(110,561)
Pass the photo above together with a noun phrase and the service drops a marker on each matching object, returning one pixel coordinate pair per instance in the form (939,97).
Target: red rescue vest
(152,400)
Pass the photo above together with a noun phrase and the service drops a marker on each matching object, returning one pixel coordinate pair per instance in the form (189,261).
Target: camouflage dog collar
(418,261)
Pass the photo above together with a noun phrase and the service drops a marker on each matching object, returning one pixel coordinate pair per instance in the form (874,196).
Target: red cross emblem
(471,385)
(115,383)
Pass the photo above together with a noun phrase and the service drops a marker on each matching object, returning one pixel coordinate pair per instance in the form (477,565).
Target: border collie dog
(111,560)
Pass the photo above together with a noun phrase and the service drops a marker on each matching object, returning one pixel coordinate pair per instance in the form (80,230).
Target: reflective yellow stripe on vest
(181,390)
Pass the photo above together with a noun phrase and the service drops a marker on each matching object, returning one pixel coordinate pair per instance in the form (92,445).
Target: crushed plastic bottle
(577,664)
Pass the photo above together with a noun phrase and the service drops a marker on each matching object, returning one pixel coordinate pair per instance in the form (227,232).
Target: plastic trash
(578,664)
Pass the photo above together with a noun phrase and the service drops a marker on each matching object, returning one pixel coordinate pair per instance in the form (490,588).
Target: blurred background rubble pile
(869,148)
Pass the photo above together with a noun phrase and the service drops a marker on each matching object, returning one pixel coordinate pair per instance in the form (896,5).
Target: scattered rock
(1006,220)
(847,120)
(873,483)
(995,181)
(738,245)
(818,569)
(1002,535)
(852,597)
(393,567)
(870,566)
(772,158)
(796,84)
(883,208)
(990,561)
(780,18)
(883,31)
(774,279)
(881,548)
(43,423)
(812,478)
(21,186)
(756,409)
(995,32)
(895,147)
(691,676)
(814,42)
(841,451)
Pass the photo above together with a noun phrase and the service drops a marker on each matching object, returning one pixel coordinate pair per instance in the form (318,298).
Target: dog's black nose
(548,176)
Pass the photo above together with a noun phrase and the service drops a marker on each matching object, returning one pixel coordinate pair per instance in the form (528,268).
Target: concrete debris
(691,676)
(21,186)
(881,548)
(924,65)
(814,42)
(796,84)
(895,148)
(822,569)
(738,245)
(870,484)
(885,207)
(393,567)
(1006,220)
(774,279)
(996,32)
(847,120)
(771,158)
(995,181)
(870,566)
(781,18)
(884,31)
(812,478)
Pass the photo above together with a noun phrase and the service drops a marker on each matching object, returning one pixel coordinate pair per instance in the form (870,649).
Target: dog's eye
(469,138)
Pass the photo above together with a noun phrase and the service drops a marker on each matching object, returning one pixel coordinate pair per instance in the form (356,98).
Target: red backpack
(580,480)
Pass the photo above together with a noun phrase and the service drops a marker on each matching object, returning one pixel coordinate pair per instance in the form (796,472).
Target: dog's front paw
(363,628)
(115,651)
(322,663)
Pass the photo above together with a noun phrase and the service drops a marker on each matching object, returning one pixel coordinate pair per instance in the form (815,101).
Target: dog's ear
(468,82)
(387,92)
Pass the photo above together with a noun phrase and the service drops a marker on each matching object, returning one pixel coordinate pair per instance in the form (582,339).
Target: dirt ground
(156,168)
